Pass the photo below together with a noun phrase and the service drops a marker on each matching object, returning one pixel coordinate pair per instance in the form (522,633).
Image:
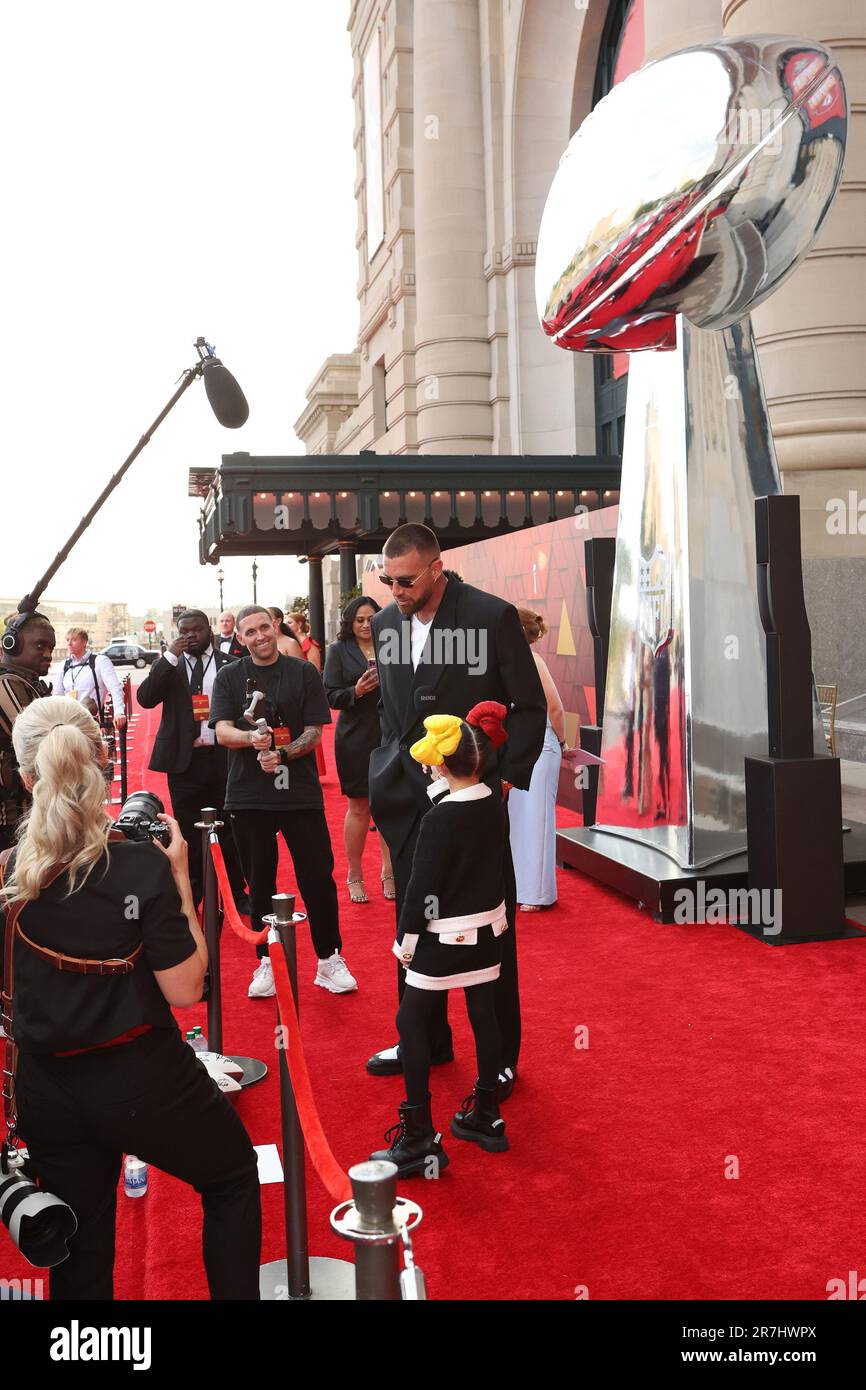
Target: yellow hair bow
(444,732)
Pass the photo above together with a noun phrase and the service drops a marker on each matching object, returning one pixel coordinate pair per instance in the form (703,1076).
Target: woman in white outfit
(532,814)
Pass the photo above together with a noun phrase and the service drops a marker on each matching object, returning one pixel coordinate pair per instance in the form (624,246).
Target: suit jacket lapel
(393,646)
(355,654)
(431,665)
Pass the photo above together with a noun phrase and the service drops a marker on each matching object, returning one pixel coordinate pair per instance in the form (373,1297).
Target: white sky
(169,169)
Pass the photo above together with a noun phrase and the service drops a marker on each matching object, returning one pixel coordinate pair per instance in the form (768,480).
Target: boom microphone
(227,400)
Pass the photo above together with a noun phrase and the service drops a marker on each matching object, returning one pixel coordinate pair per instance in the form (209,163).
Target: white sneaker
(333,974)
(262,983)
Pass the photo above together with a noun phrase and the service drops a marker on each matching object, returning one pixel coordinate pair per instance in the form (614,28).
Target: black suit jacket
(236,649)
(477,630)
(168,686)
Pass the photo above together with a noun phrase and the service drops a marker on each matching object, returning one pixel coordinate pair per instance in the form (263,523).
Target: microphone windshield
(227,400)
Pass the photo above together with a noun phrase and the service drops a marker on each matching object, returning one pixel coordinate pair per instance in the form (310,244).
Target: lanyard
(81,666)
(189,669)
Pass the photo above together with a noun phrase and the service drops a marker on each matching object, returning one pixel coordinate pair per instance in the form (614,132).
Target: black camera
(138,819)
(39,1224)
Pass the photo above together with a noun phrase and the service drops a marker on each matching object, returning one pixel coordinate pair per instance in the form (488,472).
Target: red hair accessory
(489,717)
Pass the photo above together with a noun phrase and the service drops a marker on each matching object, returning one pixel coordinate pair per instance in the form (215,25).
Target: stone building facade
(462,111)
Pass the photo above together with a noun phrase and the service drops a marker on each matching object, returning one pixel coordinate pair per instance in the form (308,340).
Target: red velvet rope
(230,912)
(324,1162)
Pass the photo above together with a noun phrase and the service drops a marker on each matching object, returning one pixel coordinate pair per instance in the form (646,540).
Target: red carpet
(706,1051)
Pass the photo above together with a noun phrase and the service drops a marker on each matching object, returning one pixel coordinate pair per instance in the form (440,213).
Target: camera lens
(142,805)
(39,1224)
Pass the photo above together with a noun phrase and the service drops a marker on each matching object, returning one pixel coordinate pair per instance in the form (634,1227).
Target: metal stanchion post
(295,1180)
(210,919)
(296,1278)
(122,733)
(253,1069)
(378,1222)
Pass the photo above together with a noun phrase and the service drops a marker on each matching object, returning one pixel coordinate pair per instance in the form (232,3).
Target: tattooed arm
(304,743)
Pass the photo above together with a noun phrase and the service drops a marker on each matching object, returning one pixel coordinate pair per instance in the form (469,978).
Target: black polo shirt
(294,697)
(129,901)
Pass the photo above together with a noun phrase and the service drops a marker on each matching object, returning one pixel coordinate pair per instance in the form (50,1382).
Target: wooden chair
(827,701)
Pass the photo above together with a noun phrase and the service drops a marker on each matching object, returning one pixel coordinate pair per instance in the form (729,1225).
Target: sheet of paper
(270,1167)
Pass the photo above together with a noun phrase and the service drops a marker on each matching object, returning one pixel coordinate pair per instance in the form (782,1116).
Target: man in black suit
(441,647)
(228,641)
(181,680)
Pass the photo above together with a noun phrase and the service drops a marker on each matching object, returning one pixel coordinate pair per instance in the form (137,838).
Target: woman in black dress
(352,687)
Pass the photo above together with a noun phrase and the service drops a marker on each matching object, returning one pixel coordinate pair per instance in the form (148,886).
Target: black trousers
(506,987)
(204,784)
(306,835)
(150,1097)
(414,1016)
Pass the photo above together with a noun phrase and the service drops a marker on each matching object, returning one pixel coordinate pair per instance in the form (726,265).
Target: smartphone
(371,664)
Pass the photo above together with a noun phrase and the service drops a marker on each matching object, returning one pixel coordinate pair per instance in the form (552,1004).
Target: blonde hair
(302,620)
(534,625)
(58,744)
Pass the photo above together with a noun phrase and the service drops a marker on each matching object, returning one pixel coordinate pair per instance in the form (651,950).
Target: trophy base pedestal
(652,879)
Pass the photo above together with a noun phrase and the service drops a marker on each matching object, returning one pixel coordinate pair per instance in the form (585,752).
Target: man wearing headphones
(27,650)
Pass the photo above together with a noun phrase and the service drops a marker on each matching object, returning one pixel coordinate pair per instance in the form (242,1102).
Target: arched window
(621,52)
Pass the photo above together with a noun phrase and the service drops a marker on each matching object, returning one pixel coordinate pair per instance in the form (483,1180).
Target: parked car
(123,653)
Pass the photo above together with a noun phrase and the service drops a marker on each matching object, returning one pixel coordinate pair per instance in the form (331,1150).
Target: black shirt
(294,697)
(131,901)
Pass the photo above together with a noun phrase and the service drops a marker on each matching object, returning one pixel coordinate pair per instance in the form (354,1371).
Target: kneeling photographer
(106,940)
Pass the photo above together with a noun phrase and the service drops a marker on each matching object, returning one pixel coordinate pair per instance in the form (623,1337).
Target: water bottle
(134,1176)
(200,1041)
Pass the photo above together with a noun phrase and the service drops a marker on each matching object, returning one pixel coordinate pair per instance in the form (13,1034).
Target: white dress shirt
(207,737)
(225,643)
(79,678)
(419,638)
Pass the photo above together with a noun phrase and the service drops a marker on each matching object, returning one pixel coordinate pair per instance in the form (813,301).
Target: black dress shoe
(507,1078)
(387,1062)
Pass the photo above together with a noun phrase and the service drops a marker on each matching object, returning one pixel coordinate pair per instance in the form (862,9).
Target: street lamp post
(255,575)
(220,579)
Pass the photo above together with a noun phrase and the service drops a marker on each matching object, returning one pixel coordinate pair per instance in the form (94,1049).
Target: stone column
(670,25)
(452,358)
(348,566)
(317,600)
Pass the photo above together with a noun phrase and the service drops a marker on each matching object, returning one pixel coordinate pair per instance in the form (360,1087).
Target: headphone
(11,641)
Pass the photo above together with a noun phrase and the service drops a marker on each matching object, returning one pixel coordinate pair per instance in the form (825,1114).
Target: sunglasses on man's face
(404,583)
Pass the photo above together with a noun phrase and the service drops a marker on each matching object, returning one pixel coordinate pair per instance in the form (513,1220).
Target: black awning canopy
(314,504)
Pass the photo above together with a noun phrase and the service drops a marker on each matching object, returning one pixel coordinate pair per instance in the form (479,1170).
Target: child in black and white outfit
(448,936)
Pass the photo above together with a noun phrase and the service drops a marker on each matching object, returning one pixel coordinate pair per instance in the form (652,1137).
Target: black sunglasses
(405,583)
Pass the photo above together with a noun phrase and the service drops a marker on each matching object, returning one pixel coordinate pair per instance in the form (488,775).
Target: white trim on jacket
(463,979)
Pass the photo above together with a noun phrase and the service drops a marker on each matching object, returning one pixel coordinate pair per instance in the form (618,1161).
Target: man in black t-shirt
(273,786)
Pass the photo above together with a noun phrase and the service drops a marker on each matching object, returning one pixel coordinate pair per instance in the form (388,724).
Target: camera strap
(10,1051)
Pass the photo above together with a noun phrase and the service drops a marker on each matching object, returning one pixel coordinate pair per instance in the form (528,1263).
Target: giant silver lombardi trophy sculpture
(685,198)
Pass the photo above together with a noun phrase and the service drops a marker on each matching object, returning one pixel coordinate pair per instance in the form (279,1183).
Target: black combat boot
(415,1146)
(478,1120)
